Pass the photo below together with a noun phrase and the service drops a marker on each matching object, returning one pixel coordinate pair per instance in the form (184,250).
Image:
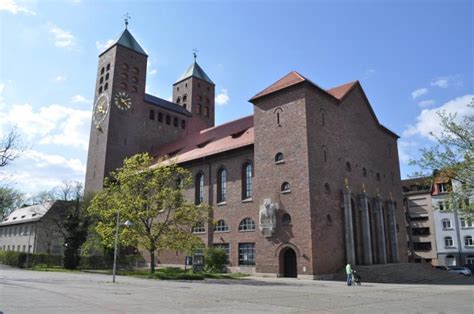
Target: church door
(289,263)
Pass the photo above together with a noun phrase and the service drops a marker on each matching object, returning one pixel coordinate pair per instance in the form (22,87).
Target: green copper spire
(194,70)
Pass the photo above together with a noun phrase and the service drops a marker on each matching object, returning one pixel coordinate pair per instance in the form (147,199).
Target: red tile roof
(288,80)
(228,136)
(340,91)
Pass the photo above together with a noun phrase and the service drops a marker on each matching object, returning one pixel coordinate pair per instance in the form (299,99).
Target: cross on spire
(126,18)
(195,51)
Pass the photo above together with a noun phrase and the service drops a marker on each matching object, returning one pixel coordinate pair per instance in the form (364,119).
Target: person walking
(349,274)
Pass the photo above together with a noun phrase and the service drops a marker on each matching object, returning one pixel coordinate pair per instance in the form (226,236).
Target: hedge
(18,259)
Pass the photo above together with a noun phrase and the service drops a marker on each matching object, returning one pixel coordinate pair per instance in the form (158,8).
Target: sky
(412,58)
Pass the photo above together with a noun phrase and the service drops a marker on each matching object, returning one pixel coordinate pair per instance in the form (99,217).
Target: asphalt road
(23,291)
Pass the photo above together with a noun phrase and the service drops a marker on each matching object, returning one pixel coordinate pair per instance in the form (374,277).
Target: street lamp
(127,223)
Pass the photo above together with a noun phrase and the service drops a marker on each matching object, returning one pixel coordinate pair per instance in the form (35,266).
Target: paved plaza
(23,291)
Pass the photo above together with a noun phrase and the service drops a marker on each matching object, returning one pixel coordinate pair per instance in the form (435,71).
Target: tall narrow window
(468,241)
(247,181)
(448,242)
(323,117)
(221,185)
(152,114)
(168,119)
(277,113)
(199,188)
(325,153)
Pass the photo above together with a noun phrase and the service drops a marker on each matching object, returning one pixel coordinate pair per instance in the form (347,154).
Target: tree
(10,148)
(9,200)
(453,156)
(152,198)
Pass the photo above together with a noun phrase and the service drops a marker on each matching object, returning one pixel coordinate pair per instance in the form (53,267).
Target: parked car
(460,270)
(470,266)
(441,267)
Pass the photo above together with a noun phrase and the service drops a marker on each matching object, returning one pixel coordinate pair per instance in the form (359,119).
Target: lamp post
(127,223)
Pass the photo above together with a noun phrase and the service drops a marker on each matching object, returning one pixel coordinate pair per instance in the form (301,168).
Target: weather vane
(126,18)
(195,51)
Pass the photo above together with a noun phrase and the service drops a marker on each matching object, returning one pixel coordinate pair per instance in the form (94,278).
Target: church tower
(195,91)
(117,118)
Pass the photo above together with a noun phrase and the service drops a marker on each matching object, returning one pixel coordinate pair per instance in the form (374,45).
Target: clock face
(123,101)
(101,109)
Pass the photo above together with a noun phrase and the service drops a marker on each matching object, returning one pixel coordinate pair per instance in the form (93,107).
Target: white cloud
(426,103)
(60,78)
(53,124)
(14,8)
(419,92)
(153,72)
(79,99)
(222,98)
(405,150)
(62,38)
(429,121)
(446,81)
(101,46)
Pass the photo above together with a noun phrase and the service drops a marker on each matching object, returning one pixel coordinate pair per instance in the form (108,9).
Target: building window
(443,188)
(247,224)
(286,220)
(325,153)
(199,228)
(199,187)
(168,119)
(247,181)
(446,223)
(246,254)
(422,246)
(221,226)
(285,187)
(206,111)
(106,76)
(327,188)
(108,66)
(450,260)
(225,247)
(377,176)
(199,109)
(448,242)
(175,122)
(420,231)
(468,241)
(102,70)
(185,96)
(124,76)
(364,172)
(152,114)
(443,205)
(135,70)
(101,80)
(178,100)
(183,124)
(106,86)
(125,67)
(348,166)
(466,223)
(134,89)
(469,258)
(277,113)
(160,117)
(221,185)
(279,158)
(100,90)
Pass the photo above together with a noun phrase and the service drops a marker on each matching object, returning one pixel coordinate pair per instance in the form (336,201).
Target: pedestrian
(349,274)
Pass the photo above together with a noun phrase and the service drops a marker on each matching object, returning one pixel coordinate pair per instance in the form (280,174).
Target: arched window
(199,228)
(279,158)
(125,67)
(178,100)
(135,79)
(468,241)
(185,96)
(106,76)
(160,117)
(348,166)
(101,79)
(199,188)
(364,172)
(183,124)
(102,70)
(221,185)
(247,224)
(135,70)
(247,174)
(184,106)
(221,226)
(124,76)
(108,66)
(327,188)
(378,176)
(285,187)
(175,122)
(286,220)
(448,242)
(106,87)
(446,223)
(168,119)
(325,153)
(277,113)
(100,89)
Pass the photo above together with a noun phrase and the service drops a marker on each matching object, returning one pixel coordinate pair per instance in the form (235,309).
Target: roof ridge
(224,124)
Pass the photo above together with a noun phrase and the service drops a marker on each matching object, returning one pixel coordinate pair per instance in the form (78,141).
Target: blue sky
(412,58)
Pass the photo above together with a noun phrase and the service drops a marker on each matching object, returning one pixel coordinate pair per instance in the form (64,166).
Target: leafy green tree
(9,200)
(152,198)
(453,156)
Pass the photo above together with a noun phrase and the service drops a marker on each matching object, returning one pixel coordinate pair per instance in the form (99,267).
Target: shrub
(18,259)
(215,260)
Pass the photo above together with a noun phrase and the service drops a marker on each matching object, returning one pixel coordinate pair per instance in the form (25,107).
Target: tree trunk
(152,261)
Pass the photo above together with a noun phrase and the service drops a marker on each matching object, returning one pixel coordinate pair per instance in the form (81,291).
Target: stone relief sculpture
(267,216)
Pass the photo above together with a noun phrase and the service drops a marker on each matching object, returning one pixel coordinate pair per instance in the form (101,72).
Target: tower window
(134,79)
(325,153)
(106,76)
(135,70)
(327,188)
(101,79)
(125,67)
(279,158)
(108,66)
(348,166)
(206,111)
(102,70)
(152,114)
(160,117)
(221,226)
(364,172)
(208,101)
(106,86)
(277,113)
(168,119)
(247,224)
(183,124)
(100,90)
(178,100)
(175,122)
(285,187)
(184,106)
(185,97)
(124,76)
(377,176)
(286,219)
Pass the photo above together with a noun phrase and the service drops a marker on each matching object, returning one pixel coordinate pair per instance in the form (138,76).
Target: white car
(460,270)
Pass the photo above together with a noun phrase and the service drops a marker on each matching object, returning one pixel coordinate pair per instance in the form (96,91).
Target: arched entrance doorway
(288,263)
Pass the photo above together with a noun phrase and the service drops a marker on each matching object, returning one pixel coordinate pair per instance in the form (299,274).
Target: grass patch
(175,273)
(57,269)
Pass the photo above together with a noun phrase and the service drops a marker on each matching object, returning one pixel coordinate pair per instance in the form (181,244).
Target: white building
(454,234)
(34,229)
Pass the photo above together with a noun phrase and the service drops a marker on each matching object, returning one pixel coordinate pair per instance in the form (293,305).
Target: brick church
(307,183)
